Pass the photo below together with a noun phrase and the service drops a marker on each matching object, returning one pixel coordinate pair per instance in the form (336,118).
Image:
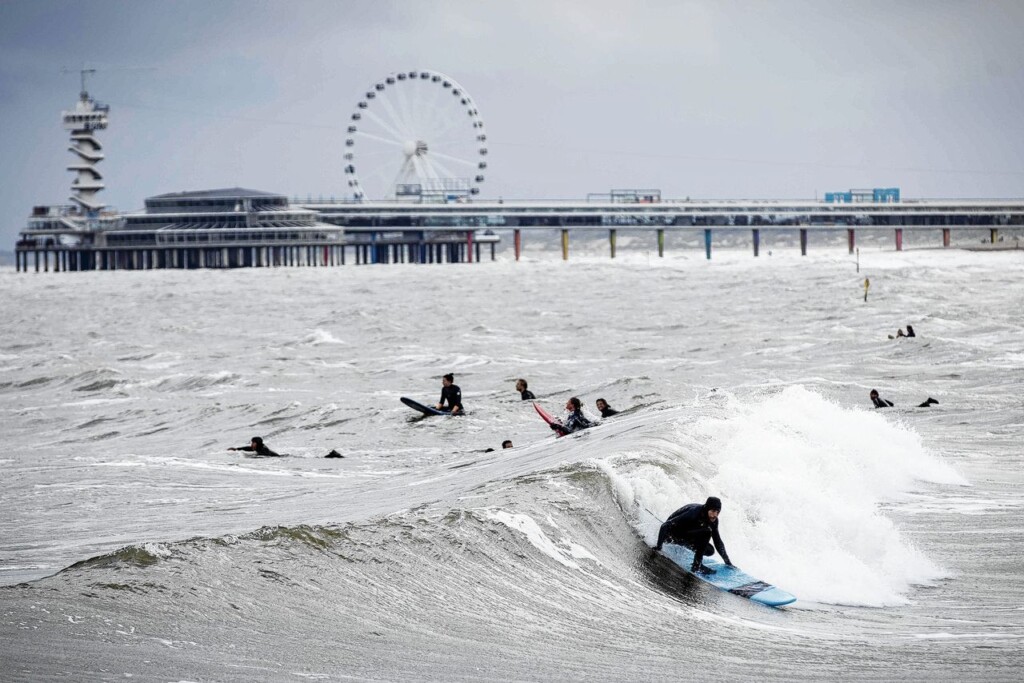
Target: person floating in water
(334,454)
(451,395)
(878,401)
(507,443)
(524,393)
(883,403)
(693,526)
(256,446)
(910,331)
(605,409)
(574,421)
(899,333)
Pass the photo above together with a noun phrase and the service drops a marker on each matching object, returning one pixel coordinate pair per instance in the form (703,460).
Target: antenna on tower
(85,94)
(83,72)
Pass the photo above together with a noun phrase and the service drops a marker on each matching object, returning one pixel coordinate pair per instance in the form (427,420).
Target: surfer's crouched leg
(664,535)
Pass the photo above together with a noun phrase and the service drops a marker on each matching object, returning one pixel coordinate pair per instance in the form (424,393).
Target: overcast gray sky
(717,99)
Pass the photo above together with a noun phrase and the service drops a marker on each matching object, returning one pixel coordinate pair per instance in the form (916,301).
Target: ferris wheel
(415,135)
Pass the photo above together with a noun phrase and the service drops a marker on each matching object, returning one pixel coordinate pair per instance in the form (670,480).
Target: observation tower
(87,116)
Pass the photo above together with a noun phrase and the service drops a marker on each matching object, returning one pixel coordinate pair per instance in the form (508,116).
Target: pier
(706,218)
(243,228)
(438,222)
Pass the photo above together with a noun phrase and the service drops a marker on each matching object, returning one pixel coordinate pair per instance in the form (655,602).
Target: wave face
(136,544)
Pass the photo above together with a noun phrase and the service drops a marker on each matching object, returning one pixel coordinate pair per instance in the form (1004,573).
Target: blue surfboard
(728,578)
(426,410)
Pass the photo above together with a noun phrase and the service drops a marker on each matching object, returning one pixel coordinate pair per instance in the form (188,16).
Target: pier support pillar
(661,242)
(994,235)
(707,243)
(469,247)
(899,239)
(36,253)
(517,240)
(850,240)
(756,237)
(565,244)
(46,261)
(803,241)
(945,237)
(492,251)
(611,241)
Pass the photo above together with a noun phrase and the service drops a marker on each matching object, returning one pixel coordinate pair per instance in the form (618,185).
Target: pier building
(222,228)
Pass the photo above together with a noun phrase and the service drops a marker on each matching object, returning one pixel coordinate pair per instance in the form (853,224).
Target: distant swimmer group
(693,526)
(899,333)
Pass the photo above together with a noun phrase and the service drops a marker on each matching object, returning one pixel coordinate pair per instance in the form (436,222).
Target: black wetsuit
(608,411)
(528,395)
(881,402)
(690,526)
(259,450)
(575,422)
(453,396)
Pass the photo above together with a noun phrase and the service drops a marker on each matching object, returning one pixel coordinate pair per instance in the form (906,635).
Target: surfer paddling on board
(574,421)
(878,401)
(451,395)
(256,446)
(693,526)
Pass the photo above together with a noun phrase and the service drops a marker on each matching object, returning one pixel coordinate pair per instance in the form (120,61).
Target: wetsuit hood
(713,503)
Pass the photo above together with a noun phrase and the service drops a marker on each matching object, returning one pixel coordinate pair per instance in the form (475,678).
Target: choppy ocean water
(132,543)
